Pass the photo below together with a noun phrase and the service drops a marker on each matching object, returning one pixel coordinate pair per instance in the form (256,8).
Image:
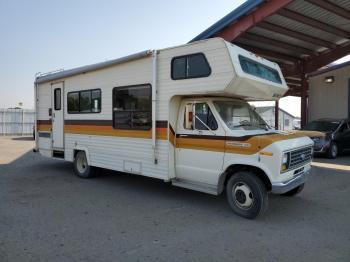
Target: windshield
(239,116)
(322,126)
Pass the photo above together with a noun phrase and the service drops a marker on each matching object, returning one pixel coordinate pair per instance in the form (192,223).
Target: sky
(46,35)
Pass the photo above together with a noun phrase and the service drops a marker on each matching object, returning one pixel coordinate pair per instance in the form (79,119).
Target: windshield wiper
(265,125)
(240,125)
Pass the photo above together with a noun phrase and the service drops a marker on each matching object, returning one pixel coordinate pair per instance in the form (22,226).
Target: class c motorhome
(178,114)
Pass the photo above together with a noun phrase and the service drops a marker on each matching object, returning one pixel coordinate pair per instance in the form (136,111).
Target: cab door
(57,115)
(200,144)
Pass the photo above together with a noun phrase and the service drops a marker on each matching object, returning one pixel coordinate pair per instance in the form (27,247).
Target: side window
(132,107)
(190,66)
(203,117)
(87,101)
(57,99)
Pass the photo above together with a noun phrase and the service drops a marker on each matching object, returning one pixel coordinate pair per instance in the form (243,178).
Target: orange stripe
(201,144)
(44,127)
(110,131)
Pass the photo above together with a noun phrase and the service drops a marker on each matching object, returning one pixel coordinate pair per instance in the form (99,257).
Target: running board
(197,186)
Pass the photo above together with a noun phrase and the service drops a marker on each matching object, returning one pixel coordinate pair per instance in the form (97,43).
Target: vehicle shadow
(23,138)
(154,194)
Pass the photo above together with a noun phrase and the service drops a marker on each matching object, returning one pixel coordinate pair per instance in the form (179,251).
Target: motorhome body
(177,114)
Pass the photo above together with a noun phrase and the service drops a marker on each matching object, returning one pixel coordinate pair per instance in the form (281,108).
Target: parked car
(334,136)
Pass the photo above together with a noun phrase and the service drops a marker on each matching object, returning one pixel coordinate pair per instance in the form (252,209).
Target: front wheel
(246,194)
(81,166)
(333,150)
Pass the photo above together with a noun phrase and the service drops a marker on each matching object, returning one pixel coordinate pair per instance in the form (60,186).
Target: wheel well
(75,152)
(231,170)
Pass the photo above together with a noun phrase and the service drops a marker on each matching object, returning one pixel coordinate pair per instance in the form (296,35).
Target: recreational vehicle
(178,114)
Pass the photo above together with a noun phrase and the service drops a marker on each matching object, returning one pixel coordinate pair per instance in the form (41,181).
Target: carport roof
(301,35)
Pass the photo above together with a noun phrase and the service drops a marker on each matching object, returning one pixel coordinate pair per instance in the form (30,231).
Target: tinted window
(87,101)
(57,99)
(132,107)
(179,68)
(254,68)
(189,66)
(73,102)
(204,117)
(96,101)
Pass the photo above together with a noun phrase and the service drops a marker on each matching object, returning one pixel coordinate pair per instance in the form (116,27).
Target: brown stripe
(202,137)
(228,138)
(89,122)
(162,123)
(43,122)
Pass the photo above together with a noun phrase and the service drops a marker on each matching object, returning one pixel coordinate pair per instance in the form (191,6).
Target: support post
(304,97)
(277,109)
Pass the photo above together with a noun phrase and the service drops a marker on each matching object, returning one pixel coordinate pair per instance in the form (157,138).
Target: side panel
(121,150)
(121,153)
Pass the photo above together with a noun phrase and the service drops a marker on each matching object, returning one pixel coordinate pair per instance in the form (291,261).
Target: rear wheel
(333,150)
(81,166)
(246,194)
(294,191)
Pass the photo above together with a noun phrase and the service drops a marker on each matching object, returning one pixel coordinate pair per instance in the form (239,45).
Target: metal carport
(300,35)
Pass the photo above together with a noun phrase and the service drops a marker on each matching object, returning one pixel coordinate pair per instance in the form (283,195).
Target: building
(329,95)
(286,120)
(302,36)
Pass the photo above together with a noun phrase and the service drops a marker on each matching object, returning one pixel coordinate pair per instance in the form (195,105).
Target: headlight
(285,161)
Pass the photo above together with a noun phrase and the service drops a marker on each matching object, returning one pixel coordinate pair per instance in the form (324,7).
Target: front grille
(300,157)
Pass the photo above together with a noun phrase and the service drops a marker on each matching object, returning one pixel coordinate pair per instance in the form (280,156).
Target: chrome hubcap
(243,195)
(81,164)
(334,150)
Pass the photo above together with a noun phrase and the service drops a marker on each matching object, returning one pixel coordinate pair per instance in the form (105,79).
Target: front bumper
(283,187)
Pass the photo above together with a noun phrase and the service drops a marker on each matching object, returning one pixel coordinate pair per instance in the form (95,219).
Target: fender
(223,175)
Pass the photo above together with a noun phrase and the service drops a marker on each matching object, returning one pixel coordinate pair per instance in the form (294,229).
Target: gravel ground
(48,214)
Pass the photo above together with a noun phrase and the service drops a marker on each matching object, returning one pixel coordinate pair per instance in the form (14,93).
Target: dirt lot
(48,214)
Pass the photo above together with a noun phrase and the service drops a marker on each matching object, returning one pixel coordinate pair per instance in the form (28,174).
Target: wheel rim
(334,150)
(243,195)
(81,164)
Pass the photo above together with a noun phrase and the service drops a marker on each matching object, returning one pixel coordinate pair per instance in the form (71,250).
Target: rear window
(257,69)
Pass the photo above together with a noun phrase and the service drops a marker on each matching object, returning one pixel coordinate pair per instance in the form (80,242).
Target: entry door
(57,115)
(200,144)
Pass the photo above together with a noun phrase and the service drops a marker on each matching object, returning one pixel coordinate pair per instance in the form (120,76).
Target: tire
(294,191)
(333,150)
(246,194)
(81,167)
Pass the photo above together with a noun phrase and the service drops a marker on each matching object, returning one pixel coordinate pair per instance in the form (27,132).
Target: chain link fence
(16,122)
